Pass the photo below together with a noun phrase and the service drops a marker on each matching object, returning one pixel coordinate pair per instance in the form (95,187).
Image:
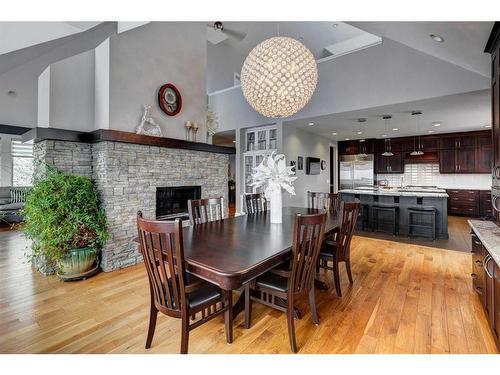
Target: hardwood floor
(458,230)
(405,299)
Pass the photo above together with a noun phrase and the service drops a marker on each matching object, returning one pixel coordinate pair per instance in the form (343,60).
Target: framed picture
(300,163)
(169,99)
(293,165)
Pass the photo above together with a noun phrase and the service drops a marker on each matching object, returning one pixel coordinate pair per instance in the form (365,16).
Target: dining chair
(205,210)
(174,292)
(338,248)
(280,291)
(326,201)
(255,203)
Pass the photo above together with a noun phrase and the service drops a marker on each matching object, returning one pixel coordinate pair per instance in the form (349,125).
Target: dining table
(236,250)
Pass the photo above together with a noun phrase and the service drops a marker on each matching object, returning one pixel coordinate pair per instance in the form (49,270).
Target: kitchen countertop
(431,193)
(489,234)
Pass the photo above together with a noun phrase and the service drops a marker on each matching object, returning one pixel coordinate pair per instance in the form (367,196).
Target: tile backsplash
(428,175)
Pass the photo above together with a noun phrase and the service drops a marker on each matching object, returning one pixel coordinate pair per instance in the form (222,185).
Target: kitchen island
(402,198)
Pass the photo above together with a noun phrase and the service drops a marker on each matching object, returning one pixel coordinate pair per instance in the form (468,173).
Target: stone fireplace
(131,177)
(172,202)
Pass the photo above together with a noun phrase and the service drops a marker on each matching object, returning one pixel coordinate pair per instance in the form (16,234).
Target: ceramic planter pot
(78,264)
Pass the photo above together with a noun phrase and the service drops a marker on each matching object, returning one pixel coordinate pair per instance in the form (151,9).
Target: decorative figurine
(148,126)
(212,124)
(195,130)
(188,127)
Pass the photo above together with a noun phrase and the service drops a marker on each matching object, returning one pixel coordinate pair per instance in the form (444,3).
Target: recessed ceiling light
(431,131)
(436,124)
(437,38)
(395,129)
(311,124)
(335,25)
(234,141)
(347,139)
(487,126)
(384,135)
(11,93)
(334,133)
(359,132)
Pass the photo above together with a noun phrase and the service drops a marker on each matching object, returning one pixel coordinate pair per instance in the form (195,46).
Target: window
(22,163)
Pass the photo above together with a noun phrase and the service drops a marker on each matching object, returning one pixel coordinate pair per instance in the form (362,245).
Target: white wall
(143,59)
(19,71)
(6,159)
(72,93)
(101,85)
(298,142)
(43,114)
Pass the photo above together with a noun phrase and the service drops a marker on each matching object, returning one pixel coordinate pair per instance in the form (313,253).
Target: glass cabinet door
(262,141)
(250,141)
(248,174)
(273,139)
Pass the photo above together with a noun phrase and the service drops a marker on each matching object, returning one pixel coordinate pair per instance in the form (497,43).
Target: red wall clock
(169,99)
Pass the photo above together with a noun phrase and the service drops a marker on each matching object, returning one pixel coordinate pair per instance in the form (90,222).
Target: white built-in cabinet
(259,142)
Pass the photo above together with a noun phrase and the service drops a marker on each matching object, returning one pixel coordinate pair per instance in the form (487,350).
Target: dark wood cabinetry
(493,47)
(463,202)
(389,164)
(469,152)
(485,207)
(486,282)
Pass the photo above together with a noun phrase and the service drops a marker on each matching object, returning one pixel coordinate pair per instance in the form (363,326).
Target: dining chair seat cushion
(328,248)
(206,294)
(272,281)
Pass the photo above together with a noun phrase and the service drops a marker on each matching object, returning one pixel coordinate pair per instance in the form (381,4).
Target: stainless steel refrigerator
(356,171)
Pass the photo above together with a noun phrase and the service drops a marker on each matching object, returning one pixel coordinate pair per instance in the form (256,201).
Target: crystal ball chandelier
(279,77)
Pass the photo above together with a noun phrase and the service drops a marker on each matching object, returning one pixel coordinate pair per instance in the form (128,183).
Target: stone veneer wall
(72,157)
(127,175)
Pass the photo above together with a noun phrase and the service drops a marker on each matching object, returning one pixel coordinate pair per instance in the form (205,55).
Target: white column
(6,161)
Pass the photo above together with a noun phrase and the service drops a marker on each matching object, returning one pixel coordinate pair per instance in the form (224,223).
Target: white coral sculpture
(273,173)
(148,125)
(212,122)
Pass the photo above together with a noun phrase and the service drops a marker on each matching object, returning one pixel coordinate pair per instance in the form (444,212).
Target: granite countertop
(489,234)
(431,193)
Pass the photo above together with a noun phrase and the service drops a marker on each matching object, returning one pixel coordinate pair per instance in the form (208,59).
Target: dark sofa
(11,202)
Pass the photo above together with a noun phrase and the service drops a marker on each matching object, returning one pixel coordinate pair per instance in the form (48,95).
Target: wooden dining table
(234,251)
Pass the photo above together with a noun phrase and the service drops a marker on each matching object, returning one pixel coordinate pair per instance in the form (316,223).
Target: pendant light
(362,145)
(279,77)
(417,147)
(387,145)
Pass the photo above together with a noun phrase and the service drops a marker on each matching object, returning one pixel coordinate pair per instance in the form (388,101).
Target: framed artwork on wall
(169,99)
(293,165)
(300,163)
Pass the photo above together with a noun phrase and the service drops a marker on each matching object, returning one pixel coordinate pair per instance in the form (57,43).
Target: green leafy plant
(62,212)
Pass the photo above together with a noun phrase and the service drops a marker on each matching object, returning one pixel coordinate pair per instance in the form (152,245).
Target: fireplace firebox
(172,202)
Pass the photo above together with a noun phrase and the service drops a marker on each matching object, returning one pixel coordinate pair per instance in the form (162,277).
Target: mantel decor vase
(276,206)
(273,174)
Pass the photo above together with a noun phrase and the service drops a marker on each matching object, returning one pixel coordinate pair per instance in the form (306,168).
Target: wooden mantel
(39,134)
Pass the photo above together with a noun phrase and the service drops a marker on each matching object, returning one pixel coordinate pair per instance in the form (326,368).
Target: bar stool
(364,213)
(422,211)
(393,209)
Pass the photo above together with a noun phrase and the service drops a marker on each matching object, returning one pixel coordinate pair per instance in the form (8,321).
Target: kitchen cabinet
(389,164)
(486,283)
(478,274)
(484,154)
(463,202)
(485,207)
(349,147)
(457,154)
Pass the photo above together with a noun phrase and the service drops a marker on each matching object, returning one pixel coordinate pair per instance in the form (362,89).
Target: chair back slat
(205,210)
(161,246)
(349,216)
(255,203)
(308,232)
(323,201)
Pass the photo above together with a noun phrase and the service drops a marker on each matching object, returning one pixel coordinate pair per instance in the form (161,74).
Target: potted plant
(64,220)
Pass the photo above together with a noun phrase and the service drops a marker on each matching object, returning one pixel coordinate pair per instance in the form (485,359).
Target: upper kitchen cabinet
(484,154)
(493,48)
(356,147)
